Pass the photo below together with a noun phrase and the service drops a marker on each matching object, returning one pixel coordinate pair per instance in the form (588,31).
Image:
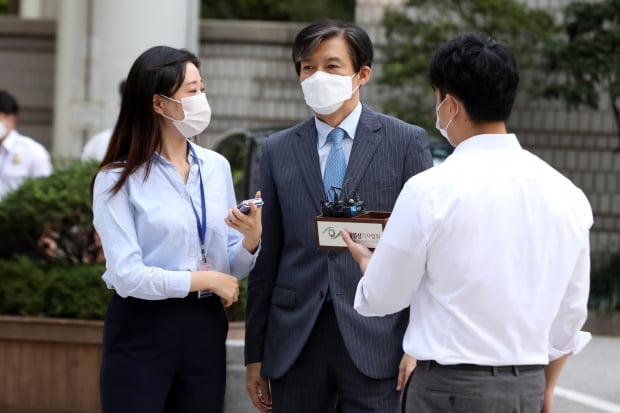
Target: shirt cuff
(581,340)
(244,260)
(178,284)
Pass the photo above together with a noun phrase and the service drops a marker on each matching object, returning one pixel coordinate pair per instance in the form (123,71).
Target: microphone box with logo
(365,228)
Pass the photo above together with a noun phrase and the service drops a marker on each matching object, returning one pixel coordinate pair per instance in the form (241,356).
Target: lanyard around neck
(201,225)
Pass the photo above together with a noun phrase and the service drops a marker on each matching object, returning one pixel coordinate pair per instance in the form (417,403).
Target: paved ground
(590,382)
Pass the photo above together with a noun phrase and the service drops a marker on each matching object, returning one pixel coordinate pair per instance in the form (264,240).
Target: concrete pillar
(38,9)
(97,42)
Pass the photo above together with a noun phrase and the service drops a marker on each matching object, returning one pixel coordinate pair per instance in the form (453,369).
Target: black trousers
(324,379)
(164,356)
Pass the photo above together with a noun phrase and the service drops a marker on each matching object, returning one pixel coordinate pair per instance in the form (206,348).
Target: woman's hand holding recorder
(246,218)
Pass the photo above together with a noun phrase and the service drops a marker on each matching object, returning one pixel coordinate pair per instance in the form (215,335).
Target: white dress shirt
(21,157)
(491,251)
(148,229)
(96,147)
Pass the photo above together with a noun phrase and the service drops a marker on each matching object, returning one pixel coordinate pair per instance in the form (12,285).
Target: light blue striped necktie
(336,165)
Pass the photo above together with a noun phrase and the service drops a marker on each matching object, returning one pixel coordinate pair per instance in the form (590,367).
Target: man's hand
(257,388)
(360,253)
(406,367)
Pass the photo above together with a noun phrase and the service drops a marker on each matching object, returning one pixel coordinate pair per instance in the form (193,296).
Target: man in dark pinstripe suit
(307,350)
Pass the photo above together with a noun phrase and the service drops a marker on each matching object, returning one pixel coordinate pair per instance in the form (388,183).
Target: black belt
(432,364)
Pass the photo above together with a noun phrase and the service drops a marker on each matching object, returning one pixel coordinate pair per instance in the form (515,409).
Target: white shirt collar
(8,142)
(488,141)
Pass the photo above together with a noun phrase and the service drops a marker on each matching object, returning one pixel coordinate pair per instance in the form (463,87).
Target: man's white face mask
(3,130)
(444,131)
(325,93)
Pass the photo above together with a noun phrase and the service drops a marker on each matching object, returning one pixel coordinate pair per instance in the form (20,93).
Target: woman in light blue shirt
(171,234)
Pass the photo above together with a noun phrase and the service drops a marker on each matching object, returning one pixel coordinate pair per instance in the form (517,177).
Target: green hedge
(42,289)
(65,286)
(58,205)
(52,289)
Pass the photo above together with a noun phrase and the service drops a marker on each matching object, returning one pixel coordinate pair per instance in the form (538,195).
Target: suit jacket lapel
(367,138)
(308,160)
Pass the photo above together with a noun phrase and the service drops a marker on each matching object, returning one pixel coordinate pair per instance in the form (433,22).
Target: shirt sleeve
(565,336)
(398,263)
(125,269)
(241,260)
(41,162)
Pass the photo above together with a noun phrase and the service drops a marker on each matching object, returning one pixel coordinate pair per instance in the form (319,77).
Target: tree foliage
(584,64)
(280,10)
(415,32)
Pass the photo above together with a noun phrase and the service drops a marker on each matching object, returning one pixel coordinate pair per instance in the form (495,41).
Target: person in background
(164,209)
(493,261)
(21,157)
(302,333)
(96,146)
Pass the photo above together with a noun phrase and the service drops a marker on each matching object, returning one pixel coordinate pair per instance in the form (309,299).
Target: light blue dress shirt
(148,229)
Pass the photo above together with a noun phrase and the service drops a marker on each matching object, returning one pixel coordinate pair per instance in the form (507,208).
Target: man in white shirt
(21,157)
(490,250)
(96,147)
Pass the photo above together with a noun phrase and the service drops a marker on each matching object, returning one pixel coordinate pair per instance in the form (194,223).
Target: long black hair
(137,134)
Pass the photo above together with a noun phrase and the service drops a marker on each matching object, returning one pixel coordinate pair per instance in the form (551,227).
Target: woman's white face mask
(197,115)
(325,93)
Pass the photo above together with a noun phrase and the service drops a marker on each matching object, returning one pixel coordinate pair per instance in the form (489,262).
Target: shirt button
(331,255)
(321,295)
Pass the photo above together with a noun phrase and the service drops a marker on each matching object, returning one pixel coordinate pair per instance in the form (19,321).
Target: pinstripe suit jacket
(286,288)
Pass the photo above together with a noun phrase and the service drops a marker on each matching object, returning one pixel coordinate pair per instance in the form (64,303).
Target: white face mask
(3,130)
(197,115)
(444,131)
(325,93)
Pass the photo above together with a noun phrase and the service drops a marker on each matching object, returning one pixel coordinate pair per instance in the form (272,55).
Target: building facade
(68,88)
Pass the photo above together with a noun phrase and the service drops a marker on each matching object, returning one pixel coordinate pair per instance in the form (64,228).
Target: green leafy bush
(53,289)
(57,207)
(44,289)
(65,284)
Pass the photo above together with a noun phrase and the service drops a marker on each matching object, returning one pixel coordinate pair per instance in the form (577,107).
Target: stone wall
(27,53)
(249,76)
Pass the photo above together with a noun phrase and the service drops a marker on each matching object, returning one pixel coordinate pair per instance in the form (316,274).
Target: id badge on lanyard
(201,225)
(204,265)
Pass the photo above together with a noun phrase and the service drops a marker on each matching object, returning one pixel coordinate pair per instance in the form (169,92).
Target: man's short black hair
(8,103)
(360,46)
(481,72)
